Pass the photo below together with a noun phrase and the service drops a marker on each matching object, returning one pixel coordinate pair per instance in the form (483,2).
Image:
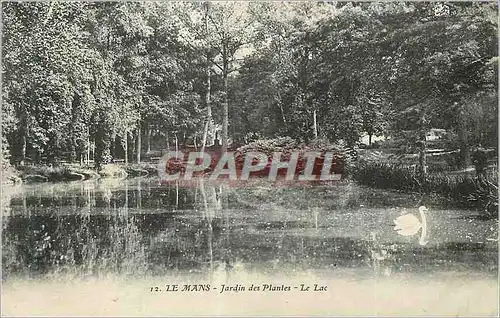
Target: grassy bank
(463,190)
(54,174)
(75,172)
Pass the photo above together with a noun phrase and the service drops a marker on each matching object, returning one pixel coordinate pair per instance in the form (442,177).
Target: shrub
(343,156)
(54,174)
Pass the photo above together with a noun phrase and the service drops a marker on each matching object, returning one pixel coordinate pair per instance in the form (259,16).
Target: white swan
(409,224)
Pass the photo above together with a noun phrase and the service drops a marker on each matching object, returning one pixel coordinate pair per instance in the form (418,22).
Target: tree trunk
(464,150)
(176,144)
(88,149)
(209,107)
(208,85)
(149,139)
(138,153)
(23,134)
(422,161)
(168,142)
(280,103)
(315,125)
(125,146)
(72,150)
(422,158)
(23,147)
(225,106)
(463,141)
(369,139)
(225,110)
(113,146)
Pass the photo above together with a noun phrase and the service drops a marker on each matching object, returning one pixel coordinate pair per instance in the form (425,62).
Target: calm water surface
(340,234)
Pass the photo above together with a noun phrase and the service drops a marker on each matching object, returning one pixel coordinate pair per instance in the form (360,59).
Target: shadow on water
(139,227)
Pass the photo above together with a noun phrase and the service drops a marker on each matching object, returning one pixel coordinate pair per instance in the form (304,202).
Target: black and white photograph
(249,158)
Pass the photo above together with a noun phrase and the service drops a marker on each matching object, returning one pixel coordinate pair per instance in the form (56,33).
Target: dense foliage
(109,80)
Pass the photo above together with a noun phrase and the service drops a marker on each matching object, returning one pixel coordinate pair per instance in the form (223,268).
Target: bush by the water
(343,156)
(62,173)
(9,173)
(465,190)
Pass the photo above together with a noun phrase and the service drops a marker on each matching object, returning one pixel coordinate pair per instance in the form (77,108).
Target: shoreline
(74,172)
(40,174)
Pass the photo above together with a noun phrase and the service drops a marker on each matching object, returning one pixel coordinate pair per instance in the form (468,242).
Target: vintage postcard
(238,158)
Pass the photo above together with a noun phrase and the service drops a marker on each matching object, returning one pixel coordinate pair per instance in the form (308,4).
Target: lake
(119,247)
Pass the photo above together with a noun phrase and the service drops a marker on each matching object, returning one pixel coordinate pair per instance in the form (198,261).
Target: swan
(409,224)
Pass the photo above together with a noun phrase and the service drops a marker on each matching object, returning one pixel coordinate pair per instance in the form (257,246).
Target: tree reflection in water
(137,227)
